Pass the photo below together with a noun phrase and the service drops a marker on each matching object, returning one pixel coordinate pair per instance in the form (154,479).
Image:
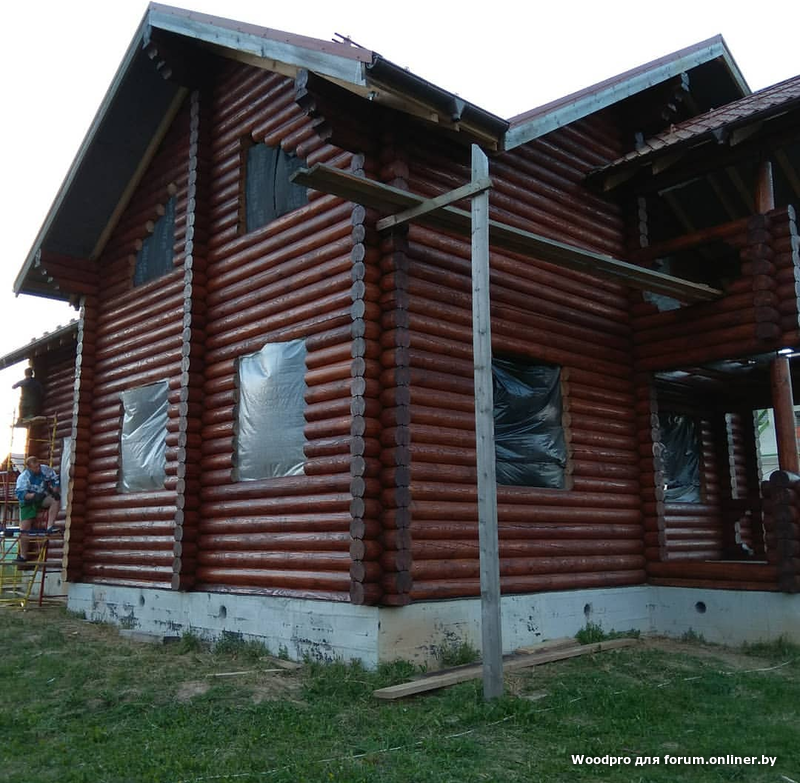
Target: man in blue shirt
(37,487)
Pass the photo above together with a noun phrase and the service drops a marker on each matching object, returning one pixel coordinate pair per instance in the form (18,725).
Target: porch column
(783,408)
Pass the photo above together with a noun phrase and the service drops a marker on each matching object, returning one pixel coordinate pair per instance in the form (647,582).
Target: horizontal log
(512,512)
(524,566)
(457,588)
(729,571)
(262,577)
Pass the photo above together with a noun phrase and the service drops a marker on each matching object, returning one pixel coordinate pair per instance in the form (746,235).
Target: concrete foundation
(328,630)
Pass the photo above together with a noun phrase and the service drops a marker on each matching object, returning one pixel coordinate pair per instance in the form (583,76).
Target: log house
(198,257)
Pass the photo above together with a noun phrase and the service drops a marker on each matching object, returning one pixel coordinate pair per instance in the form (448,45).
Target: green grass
(82,705)
(780,648)
(457,653)
(592,633)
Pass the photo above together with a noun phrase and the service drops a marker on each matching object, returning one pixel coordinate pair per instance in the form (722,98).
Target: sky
(59,56)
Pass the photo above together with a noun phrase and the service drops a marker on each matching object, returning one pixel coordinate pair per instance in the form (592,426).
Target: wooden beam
(443,679)
(470,189)
(783,408)
(765,188)
(492,643)
(501,236)
(688,241)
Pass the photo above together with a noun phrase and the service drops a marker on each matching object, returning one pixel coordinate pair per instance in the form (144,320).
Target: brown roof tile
(765,102)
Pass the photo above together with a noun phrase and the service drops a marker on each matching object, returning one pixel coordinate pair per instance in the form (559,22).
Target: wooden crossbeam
(386,198)
(692,240)
(431,204)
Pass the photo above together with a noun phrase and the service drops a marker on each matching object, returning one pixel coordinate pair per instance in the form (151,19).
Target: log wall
(758,313)
(782,524)
(686,542)
(305,275)
(386,507)
(589,534)
(694,544)
(130,337)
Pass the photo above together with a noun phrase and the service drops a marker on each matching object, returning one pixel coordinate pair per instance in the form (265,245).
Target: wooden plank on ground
(388,199)
(459,674)
(548,646)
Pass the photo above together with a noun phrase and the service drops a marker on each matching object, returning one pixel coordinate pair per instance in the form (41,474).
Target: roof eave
(590,101)
(205,31)
(51,341)
(130,54)
(452,107)
(622,169)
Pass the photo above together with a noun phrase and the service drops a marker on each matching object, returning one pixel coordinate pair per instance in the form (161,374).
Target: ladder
(50,440)
(18,581)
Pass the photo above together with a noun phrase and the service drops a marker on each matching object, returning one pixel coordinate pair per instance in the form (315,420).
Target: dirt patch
(727,655)
(190,690)
(275,688)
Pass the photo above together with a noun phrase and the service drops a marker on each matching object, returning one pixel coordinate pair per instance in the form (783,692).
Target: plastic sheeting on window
(270,438)
(269,193)
(529,440)
(144,438)
(154,258)
(681,457)
(63,474)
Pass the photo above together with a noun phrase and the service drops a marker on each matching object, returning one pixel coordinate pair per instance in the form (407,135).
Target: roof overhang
(762,127)
(128,118)
(544,119)
(143,98)
(51,341)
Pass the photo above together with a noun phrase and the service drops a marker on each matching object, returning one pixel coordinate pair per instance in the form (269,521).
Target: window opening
(270,422)
(681,458)
(154,258)
(530,448)
(268,191)
(144,438)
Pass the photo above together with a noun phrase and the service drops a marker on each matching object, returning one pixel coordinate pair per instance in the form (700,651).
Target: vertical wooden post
(783,408)
(765,191)
(484,435)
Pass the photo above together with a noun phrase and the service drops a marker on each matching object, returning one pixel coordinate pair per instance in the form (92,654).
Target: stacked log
(758,313)
(366,407)
(786,259)
(80,422)
(137,338)
(782,527)
(651,467)
(395,457)
(306,275)
(187,387)
(588,534)
(744,512)
(700,544)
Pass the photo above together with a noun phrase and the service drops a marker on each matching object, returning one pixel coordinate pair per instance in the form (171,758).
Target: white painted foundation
(328,630)
(725,616)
